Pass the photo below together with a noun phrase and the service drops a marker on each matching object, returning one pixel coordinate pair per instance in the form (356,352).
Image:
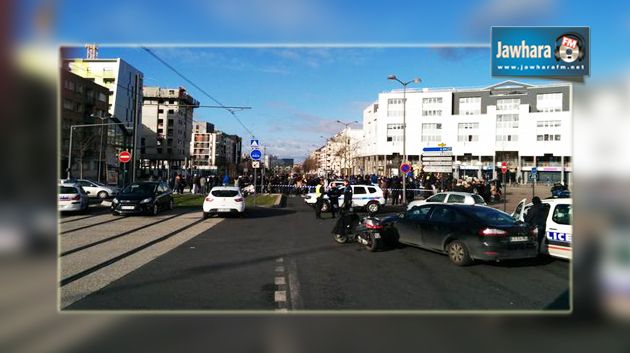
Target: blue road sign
(255,154)
(254,143)
(534,171)
(405,168)
(437,149)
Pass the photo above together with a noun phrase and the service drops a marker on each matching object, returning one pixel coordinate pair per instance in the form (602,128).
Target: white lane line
(280,296)
(294,286)
(280,260)
(279,281)
(280,269)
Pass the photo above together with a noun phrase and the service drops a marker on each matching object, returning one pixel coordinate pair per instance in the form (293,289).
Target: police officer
(319,196)
(537,217)
(347,197)
(333,197)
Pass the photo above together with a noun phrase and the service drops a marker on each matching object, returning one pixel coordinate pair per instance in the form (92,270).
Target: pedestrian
(347,197)
(226,180)
(536,217)
(333,197)
(319,197)
(178,180)
(202,185)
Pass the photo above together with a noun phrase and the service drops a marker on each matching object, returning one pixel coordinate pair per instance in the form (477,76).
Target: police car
(369,197)
(559,230)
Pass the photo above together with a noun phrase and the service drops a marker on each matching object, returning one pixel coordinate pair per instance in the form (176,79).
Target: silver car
(451,197)
(96,189)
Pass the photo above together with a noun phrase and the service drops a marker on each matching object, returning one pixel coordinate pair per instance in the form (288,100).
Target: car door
(443,221)
(456,198)
(519,211)
(359,196)
(90,189)
(410,225)
(559,230)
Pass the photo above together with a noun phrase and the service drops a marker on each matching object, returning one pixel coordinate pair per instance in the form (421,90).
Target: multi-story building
(84,102)
(227,153)
(124,83)
(521,124)
(203,146)
(167,124)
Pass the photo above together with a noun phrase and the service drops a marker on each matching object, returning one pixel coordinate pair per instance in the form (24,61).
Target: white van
(559,229)
(369,197)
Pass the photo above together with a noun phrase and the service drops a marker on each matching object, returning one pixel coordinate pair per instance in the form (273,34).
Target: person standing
(347,197)
(202,185)
(226,180)
(319,196)
(536,216)
(333,197)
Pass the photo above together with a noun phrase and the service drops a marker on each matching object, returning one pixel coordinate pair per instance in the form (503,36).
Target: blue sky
(297,94)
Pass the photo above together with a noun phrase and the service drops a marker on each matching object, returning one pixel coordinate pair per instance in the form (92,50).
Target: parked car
(224,199)
(450,197)
(560,190)
(143,197)
(466,232)
(72,197)
(94,188)
(558,226)
(369,197)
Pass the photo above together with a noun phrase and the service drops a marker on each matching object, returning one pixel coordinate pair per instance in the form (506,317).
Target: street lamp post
(404,84)
(100,152)
(345,155)
(72,127)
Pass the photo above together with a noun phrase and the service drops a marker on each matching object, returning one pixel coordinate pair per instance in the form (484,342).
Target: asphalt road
(285,259)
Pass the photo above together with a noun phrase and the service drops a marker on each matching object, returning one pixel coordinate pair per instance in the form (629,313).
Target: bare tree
(85,142)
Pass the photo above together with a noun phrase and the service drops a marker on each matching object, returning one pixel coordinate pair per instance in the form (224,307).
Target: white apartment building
(167,119)
(521,124)
(336,156)
(124,83)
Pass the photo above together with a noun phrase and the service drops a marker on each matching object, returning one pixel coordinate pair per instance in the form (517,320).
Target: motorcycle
(370,231)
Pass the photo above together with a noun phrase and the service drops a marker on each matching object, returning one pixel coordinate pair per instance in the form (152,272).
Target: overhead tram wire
(229,109)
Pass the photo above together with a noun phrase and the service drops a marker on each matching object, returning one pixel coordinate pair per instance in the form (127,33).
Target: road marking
(280,296)
(294,286)
(280,269)
(280,281)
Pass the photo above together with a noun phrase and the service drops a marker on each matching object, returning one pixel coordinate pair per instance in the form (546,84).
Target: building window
(470,105)
(468,132)
(79,88)
(432,100)
(548,137)
(394,107)
(68,84)
(549,102)
(171,111)
(507,121)
(68,105)
(109,80)
(394,132)
(431,112)
(431,132)
(507,138)
(508,104)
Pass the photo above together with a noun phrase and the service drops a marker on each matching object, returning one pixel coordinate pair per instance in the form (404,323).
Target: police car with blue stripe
(559,230)
(369,197)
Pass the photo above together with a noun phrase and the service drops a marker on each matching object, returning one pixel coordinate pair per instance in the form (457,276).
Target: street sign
(437,169)
(124,157)
(405,168)
(255,154)
(256,164)
(254,143)
(503,167)
(437,149)
(534,171)
(437,158)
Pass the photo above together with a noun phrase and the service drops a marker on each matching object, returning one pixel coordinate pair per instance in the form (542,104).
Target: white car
(367,196)
(72,197)
(94,188)
(559,230)
(224,199)
(450,197)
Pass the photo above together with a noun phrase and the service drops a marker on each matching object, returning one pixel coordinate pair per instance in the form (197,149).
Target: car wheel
(458,253)
(206,215)
(373,207)
(102,195)
(155,209)
(341,239)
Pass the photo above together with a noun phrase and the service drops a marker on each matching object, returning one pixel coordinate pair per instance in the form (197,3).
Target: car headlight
(147,200)
(115,200)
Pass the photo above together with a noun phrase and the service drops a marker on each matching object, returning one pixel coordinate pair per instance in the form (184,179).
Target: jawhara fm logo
(569,48)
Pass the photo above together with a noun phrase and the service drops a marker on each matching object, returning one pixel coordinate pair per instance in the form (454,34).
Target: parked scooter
(369,231)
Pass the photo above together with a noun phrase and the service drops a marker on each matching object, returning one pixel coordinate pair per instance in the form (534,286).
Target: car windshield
(140,189)
(67,190)
(493,217)
(224,193)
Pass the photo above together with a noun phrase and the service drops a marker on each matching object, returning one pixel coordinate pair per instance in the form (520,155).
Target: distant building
(167,125)
(227,152)
(203,146)
(85,102)
(124,83)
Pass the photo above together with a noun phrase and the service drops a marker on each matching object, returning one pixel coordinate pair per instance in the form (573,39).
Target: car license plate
(520,238)
(224,210)
(128,207)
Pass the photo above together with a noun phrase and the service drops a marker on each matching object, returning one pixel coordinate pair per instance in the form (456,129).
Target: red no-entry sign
(124,157)
(503,167)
